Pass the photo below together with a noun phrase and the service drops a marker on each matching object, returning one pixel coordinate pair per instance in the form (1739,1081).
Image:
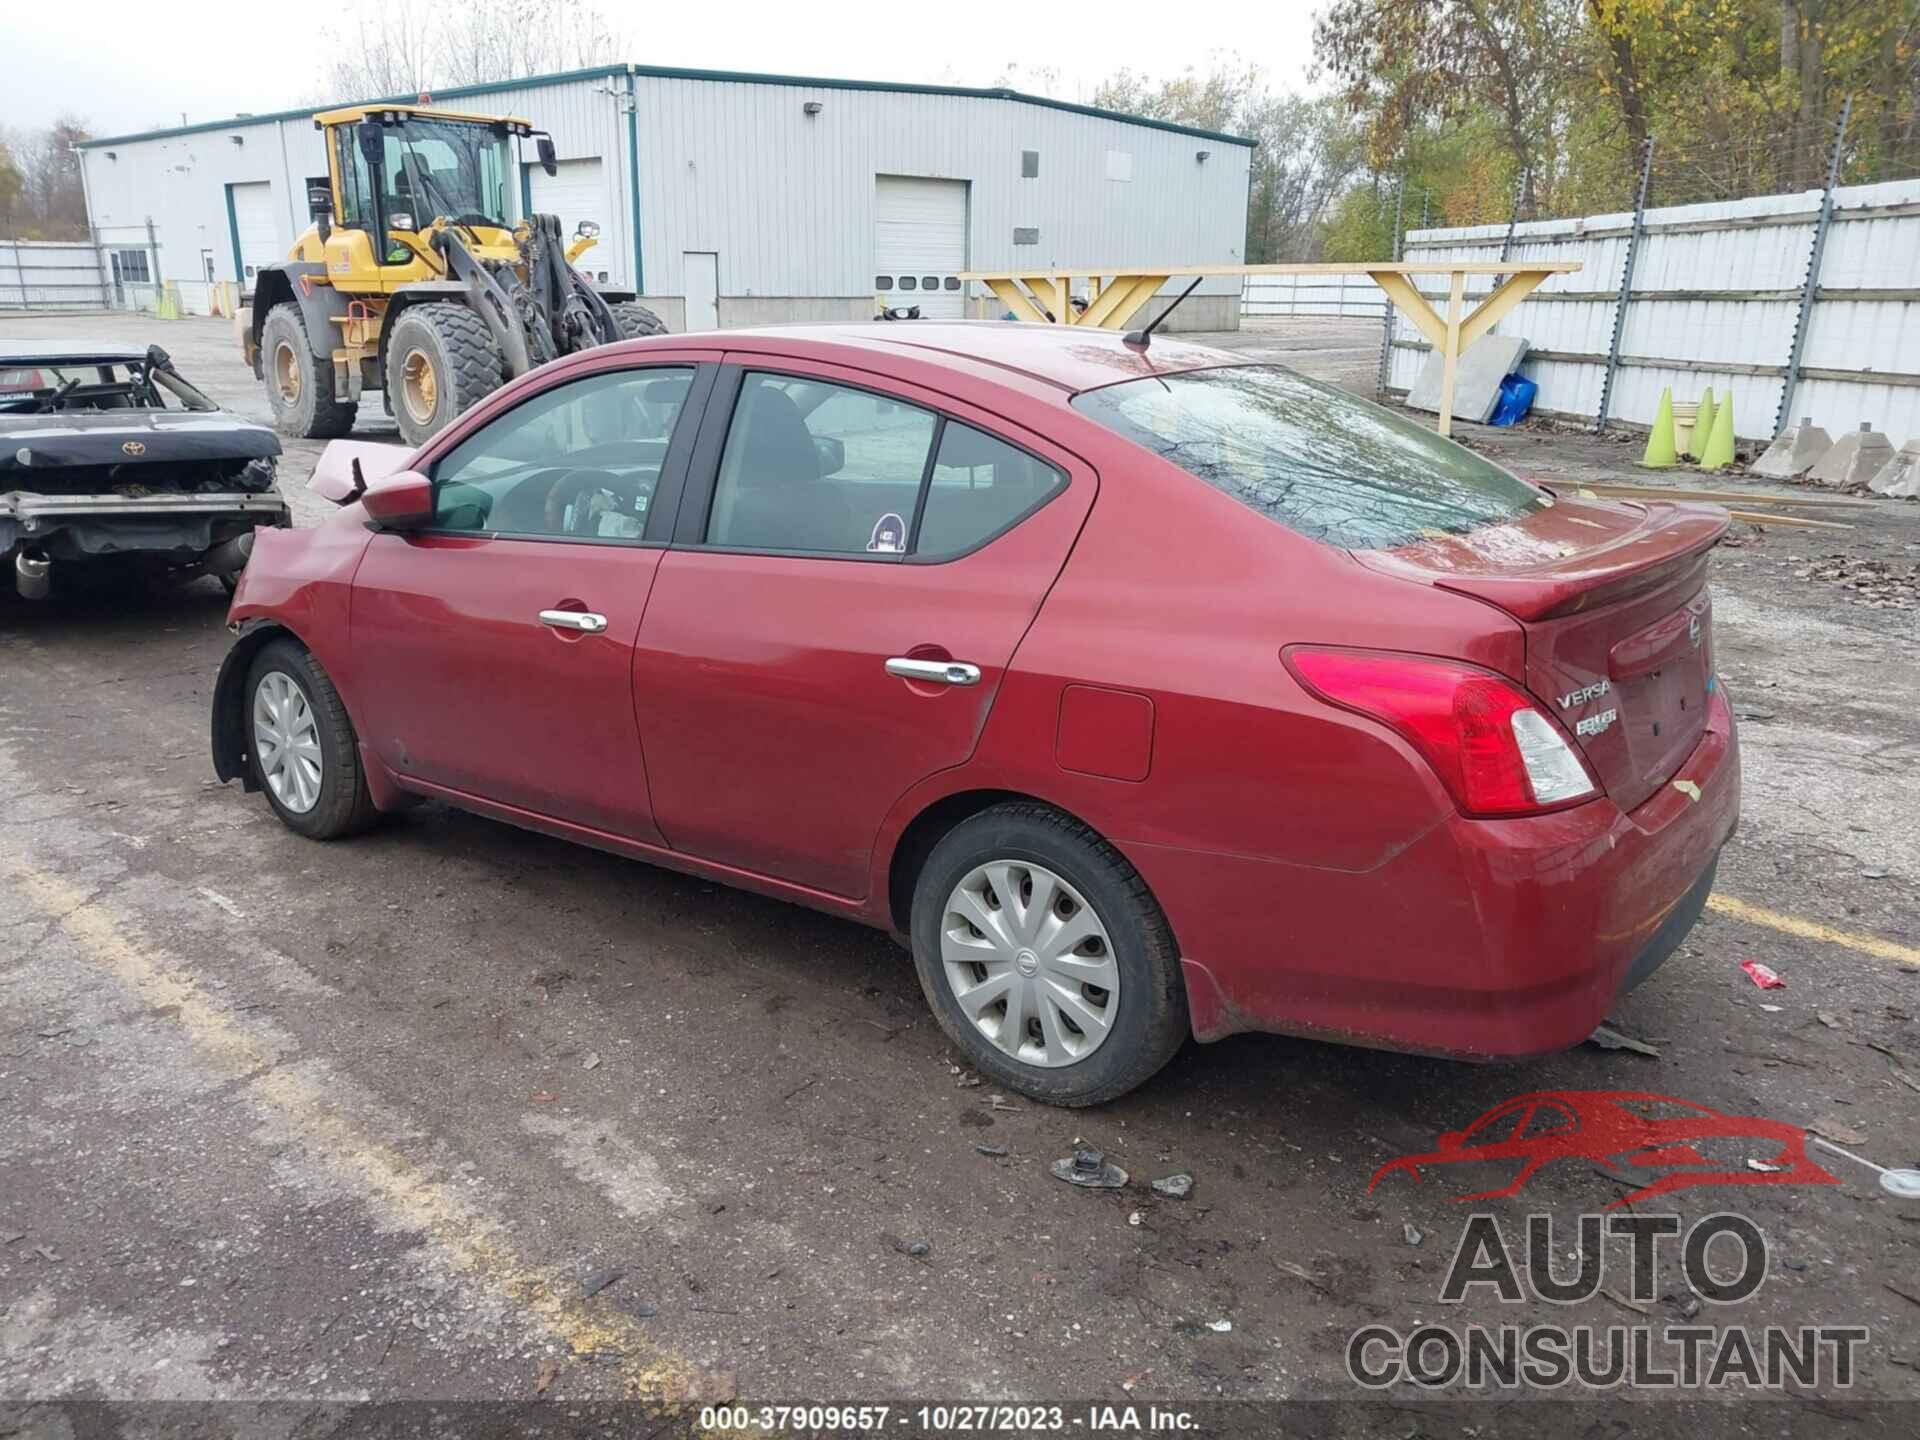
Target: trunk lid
(1612,598)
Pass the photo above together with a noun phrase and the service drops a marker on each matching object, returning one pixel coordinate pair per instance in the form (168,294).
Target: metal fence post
(1625,297)
(1811,286)
(1386,323)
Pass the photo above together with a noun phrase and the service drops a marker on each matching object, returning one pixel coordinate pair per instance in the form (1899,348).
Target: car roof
(70,354)
(1063,357)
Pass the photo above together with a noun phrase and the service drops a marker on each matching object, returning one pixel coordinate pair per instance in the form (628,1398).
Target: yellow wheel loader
(413,281)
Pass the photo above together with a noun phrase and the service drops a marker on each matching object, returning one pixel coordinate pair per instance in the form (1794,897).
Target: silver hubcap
(286,737)
(1030,963)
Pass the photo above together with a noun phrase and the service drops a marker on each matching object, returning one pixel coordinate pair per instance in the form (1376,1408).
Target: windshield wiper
(423,180)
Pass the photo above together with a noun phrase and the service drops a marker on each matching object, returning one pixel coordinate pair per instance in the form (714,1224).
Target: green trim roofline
(662,72)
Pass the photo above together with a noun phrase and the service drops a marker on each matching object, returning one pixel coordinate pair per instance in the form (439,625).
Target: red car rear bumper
(1483,939)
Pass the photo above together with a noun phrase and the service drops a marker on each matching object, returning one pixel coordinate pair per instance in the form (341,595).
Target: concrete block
(1900,476)
(1476,383)
(1854,459)
(1797,451)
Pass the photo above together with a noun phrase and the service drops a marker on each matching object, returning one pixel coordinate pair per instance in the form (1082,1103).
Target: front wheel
(301,747)
(1045,957)
(635,321)
(441,361)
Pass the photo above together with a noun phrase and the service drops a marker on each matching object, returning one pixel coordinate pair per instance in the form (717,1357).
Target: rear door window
(814,466)
(1311,456)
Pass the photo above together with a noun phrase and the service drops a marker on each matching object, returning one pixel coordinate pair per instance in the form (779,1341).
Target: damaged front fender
(229,701)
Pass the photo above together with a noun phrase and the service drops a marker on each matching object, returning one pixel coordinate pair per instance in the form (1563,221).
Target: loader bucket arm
(560,288)
(490,299)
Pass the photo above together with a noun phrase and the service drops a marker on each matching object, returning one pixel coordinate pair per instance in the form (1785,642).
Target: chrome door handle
(585,620)
(937,672)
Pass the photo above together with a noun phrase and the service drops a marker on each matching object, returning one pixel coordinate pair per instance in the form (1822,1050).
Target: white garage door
(576,193)
(259,231)
(920,244)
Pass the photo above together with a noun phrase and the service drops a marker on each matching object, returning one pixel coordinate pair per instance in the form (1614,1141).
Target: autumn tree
(11,184)
(41,194)
(1406,64)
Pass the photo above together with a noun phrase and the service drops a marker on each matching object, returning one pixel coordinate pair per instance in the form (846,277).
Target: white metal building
(732,199)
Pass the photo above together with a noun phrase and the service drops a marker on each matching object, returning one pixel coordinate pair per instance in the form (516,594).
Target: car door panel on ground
(494,651)
(776,738)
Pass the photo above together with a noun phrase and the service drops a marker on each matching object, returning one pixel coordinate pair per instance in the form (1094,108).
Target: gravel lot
(458,1112)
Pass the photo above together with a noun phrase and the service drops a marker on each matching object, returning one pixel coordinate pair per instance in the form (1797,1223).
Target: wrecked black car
(110,461)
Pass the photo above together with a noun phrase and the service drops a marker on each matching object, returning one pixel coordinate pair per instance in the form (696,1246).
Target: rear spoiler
(1673,539)
(347,467)
(1635,546)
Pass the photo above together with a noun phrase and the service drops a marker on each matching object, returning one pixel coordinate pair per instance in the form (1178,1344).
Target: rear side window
(980,487)
(1319,460)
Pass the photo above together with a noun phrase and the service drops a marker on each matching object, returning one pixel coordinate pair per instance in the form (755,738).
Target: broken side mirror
(549,157)
(401,501)
(371,135)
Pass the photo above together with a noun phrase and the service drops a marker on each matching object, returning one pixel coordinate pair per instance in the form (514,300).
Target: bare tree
(387,50)
(380,52)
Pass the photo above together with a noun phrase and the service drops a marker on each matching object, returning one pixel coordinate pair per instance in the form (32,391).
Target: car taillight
(1495,750)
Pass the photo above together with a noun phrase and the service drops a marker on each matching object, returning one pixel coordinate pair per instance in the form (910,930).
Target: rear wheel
(300,386)
(635,321)
(1045,957)
(441,360)
(301,746)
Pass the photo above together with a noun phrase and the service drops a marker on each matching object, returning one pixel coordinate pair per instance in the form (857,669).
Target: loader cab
(396,171)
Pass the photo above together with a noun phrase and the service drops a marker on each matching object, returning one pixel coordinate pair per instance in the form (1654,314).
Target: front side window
(1311,456)
(356,190)
(580,460)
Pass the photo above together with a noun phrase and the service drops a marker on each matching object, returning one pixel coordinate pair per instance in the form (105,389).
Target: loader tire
(636,321)
(441,361)
(300,387)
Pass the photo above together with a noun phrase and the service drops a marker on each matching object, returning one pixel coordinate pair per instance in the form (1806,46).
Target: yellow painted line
(1800,929)
(471,1244)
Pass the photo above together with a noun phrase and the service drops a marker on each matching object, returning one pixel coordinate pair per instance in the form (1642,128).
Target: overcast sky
(126,66)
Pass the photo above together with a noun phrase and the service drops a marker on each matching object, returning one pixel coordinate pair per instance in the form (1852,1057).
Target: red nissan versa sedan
(1148,692)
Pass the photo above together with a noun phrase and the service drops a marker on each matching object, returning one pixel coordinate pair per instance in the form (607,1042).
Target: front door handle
(936,672)
(584,620)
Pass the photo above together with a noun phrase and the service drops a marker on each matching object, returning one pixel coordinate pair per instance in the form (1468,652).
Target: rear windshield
(1317,459)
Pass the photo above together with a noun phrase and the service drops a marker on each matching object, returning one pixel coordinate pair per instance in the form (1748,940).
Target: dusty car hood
(123,437)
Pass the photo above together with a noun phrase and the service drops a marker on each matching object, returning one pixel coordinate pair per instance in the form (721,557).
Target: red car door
(854,564)
(492,653)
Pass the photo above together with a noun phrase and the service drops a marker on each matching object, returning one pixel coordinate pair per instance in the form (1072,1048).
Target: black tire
(454,354)
(343,806)
(635,321)
(1151,1023)
(300,386)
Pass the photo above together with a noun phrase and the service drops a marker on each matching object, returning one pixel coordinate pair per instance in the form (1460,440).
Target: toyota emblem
(134,447)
